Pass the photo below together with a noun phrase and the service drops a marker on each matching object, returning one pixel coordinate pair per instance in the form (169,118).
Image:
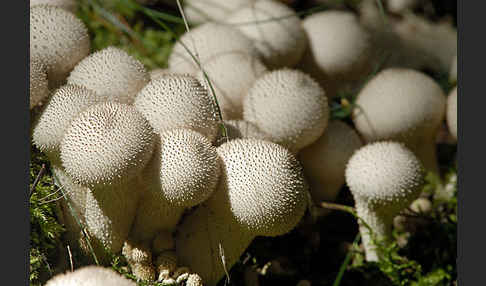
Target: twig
(70,258)
(338,207)
(37,179)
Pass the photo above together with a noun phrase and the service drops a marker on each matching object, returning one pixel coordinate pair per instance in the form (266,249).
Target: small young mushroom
(240,129)
(402,105)
(90,276)
(338,51)
(58,39)
(178,101)
(139,257)
(202,11)
(289,106)
(111,73)
(38,85)
(384,178)
(194,280)
(261,192)
(325,160)
(231,87)
(69,5)
(451,115)
(275,29)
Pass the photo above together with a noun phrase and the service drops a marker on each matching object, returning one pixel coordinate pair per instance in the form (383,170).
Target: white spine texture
(452,113)
(90,276)
(275,29)
(38,84)
(289,106)
(69,5)
(111,73)
(402,105)
(58,39)
(384,178)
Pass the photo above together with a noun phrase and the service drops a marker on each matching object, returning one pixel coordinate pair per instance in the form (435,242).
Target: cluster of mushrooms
(154,167)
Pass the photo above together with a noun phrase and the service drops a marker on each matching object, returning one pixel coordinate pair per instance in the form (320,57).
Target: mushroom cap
(69,5)
(385,177)
(178,101)
(289,106)
(194,280)
(64,105)
(261,188)
(188,167)
(58,39)
(112,73)
(209,41)
(201,11)
(275,29)
(325,160)
(231,75)
(38,85)
(452,113)
(399,104)
(107,144)
(90,276)
(240,129)
(339,47)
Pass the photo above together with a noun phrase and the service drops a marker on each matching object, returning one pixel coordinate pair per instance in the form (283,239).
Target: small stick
(37,179)
(70,258)
(338,207)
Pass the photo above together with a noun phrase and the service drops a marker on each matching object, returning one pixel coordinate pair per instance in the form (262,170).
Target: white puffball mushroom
(69,5)
(178,101)
(107,144)
(90,276)
(231,87)
(38,84)
(384,178)
(452,113)
(325,160)
(111,73)
(206,42)
(202,11)
(289,106)
(261,192)
(339,49)
(275,29)
(402,105)
(59,39)
(240,129)
(194,280)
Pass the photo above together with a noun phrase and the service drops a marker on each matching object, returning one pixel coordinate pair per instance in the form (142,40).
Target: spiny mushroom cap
(275,29)
(58,39)
(400,104)
(69,5)
(188,167)
(108,143)
(452,113)
(289,106)
(194,280)
(64,105)
(201,11)
(384,176)
(453,70)
(325,160)
(240,129)
(231,75)
(112,73)
(338,45)
(38,82)
(178,101)
(261,187)
(207,41)
(90,276)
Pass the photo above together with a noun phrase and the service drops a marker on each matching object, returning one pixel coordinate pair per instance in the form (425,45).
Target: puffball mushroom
(240,129)
(183,173)
(261,192)
(38,85)
(106,148)
(402,105)
(90,276)
(324,161)
(58,39)
(289,106)
(384,178)
(231,75)
(452,113)
(339,49)
(206,42)
(178,101)
(111,73)
(202,11)
(69,5)
(275,29)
